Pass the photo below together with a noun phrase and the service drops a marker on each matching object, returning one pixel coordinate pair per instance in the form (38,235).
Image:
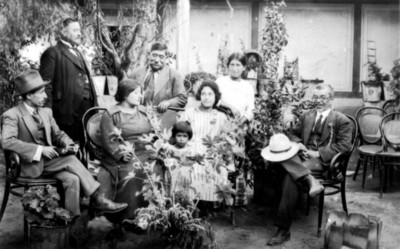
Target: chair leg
(320,211)
(365,166)
(7,188)
(358,167)
(381,178)
(343,195)
(391,172)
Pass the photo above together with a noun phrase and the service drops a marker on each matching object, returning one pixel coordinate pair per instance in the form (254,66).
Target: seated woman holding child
(129,119)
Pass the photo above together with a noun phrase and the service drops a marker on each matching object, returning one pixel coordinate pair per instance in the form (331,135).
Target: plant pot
(99,83)
(372,91)
(48,237)
(388,90)
(112,85)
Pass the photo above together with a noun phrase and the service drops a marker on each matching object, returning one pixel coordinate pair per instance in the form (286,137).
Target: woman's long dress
(116,178)
(204,177)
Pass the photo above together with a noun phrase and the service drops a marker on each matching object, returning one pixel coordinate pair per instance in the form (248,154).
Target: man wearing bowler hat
(316,138)
(30,130)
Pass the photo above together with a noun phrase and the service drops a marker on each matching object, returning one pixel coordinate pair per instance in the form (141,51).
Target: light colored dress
(203,124)
(239,94)
(204,177)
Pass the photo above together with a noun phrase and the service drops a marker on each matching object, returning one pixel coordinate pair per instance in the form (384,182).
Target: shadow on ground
(254,225)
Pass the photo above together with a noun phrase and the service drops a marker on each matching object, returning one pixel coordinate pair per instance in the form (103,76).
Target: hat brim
(279,157)
(45,82)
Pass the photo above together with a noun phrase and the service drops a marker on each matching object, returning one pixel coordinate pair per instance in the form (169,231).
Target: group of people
(55,98)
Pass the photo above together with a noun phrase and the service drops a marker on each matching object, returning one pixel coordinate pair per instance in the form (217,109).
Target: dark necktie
(37,119)
(318,125)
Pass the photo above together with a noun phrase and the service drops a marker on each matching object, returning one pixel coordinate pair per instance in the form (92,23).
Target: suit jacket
(168,86)
(336,134)
(20,134)
(68,77)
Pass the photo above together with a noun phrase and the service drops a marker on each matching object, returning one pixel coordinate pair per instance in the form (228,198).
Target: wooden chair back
(368,121)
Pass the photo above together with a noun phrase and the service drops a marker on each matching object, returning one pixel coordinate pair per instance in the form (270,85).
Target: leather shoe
(315,186)
(100,203)
(280,236)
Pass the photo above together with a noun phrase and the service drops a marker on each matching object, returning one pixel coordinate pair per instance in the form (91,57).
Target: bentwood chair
(93,150)
(15,181)
(390,155)
(368,120)
(334,179)
(389,106)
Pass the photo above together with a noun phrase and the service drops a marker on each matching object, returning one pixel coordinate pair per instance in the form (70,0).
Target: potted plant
(48,223)
(372,89)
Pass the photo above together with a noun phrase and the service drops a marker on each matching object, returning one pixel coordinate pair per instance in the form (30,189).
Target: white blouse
(239,94)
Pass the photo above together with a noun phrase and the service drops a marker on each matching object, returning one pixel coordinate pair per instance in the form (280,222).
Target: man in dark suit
(319,135)
(31,131)
(71,91)
(163,86)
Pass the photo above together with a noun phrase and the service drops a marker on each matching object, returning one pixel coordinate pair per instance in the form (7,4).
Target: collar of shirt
(30,109)
(72,49)
(67,43)
(324,114)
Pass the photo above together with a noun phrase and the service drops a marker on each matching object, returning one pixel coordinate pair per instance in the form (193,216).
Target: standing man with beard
(71,91)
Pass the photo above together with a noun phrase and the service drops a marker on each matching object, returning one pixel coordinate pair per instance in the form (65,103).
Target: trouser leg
(295,168)
(71,164)
(71,186)
(288,203)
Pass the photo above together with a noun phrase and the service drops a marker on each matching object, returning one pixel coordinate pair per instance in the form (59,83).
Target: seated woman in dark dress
(118,177)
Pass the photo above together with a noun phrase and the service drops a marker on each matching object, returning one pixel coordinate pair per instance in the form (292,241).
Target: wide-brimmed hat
(280,149)
(255,52)
(28,81)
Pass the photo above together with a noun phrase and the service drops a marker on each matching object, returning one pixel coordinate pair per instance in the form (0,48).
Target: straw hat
(28,81)
(280,149)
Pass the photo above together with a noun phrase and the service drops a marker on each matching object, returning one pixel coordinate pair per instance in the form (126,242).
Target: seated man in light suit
(31,131)
(317,137)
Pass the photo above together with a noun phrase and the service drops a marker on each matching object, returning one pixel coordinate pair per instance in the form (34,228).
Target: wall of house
(329,37)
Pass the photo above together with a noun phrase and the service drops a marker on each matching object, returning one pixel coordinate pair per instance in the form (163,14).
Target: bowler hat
(28,81)
(280,149)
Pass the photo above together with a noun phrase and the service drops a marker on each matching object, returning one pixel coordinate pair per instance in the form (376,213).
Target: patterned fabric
(203,124)
(203,177)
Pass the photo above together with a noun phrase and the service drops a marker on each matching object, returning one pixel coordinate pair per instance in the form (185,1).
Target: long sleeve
(250,103)
(109,144)
(179,98)
(10,139)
